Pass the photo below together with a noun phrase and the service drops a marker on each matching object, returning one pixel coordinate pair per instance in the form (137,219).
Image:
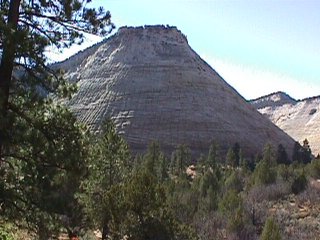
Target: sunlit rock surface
(300,119)
(155,87)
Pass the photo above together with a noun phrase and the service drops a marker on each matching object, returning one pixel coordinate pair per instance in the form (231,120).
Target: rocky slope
(155,87)
(300,119)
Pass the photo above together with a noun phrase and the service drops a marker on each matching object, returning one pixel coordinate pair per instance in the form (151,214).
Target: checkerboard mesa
(151,83)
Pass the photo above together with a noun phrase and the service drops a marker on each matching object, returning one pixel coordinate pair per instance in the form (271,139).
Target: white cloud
(252,83)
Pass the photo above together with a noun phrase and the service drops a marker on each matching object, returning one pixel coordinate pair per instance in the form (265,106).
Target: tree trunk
(6,65)
(105,232)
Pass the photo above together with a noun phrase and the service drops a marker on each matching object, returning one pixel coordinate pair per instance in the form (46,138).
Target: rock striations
(155,87)
(300,119)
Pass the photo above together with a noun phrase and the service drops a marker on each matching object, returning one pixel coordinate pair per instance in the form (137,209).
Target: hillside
(299,118)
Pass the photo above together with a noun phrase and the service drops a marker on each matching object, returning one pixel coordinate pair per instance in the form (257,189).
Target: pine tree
(212,159)
(42,148)
(282,156)
(231,158)
(230,202)
(180,159)
(152,157)
(237,152)
(265,172)
(156,162)
(314,168)
(234,182)
(268,155)
(306,152)
(302,154)
(162,171)
(207,181)
(297,153)
(27,28)
(109,166)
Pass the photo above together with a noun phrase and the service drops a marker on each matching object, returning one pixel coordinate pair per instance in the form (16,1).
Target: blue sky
(257,46)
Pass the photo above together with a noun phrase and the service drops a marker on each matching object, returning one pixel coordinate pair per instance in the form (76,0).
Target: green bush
(234,182)
(264,174)
(285,172)
(299,184)
(5,233)
(230,202)
(314,168)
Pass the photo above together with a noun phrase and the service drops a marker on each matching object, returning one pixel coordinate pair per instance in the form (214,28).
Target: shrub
(210,225)
(230,202)
(234,182)
(314,168)
(5,233)
(286,173)
(264,174)
(299,184)
(271,230)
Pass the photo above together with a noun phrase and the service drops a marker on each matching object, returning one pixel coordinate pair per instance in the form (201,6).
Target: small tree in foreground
(138,210)
(108,166)
(265,172)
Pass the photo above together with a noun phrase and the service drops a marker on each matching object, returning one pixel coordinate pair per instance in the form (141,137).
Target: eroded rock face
(155,87)
(300,119)
(273,100)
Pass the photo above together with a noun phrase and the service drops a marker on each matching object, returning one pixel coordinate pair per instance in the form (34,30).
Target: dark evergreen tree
(302,154)
(172,166)
(180,159)
(244,164)
(162,170)
(42,147)
(156,162)
(297,152)
(314,168)
(237,152)
(212,159)
(299,184)
(26,29)
(282,156)
(137,163)
(265,172)
(230,202)
(231,158)
(201,160)
(306,152)
(42,169)
(109,166)
(152,157)
(234,182)
(269,155)
(209,180)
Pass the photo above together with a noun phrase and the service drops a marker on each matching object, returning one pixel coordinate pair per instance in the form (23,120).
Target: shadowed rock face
(300,119)
(155,87)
